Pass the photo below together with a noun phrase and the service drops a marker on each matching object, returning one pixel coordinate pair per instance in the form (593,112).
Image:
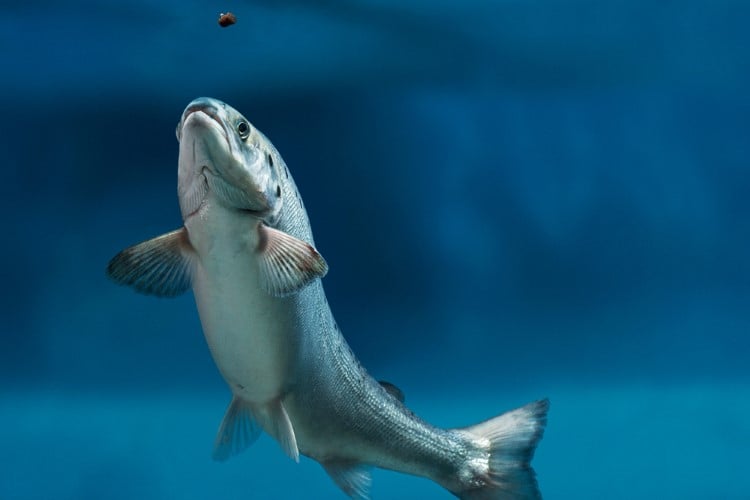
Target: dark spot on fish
(278,190)
(270,160)
(286,171)
(227,19)
(240,386)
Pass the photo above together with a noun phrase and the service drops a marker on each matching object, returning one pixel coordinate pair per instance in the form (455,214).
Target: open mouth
(211,112)
(207,109)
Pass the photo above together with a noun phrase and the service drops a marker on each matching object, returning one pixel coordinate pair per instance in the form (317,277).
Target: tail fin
(512,438)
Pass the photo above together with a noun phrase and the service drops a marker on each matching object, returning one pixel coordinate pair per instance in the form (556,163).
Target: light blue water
(515,201)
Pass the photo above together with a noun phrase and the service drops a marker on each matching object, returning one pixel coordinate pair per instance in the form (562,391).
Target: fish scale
(247,251)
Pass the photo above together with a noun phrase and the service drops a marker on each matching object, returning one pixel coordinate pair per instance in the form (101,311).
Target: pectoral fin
(287,264)
(162,266)
(238,430)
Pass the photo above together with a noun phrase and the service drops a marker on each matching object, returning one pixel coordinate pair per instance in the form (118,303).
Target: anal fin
(352,477)
(238,430)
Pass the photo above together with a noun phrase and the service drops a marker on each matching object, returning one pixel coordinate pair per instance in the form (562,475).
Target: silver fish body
(247,251)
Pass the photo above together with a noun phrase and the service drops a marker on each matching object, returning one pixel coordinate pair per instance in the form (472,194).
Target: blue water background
(516,200)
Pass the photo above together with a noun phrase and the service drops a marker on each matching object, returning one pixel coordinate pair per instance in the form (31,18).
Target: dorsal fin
(393,390)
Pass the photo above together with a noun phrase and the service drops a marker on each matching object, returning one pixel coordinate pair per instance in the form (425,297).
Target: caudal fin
(512,438)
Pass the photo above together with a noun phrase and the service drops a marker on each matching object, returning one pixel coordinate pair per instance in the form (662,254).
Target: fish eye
(243,128)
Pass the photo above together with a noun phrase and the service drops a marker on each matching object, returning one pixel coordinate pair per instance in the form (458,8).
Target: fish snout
(208,105)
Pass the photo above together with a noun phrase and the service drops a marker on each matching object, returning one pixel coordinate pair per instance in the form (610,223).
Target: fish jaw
(215,156)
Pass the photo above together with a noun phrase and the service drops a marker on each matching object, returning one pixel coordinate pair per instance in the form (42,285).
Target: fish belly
(249,333)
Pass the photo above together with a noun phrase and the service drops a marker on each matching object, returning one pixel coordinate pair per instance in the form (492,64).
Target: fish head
(220,151)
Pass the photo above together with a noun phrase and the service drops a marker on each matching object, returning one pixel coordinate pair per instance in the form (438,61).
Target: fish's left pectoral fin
(238,430)
(287,264)
(162,266)
(353,478)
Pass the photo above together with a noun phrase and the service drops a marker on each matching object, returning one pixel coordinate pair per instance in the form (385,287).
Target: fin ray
(238,430)
(353,478)
(512,439)
(283,430)
(287,264)
(162,266)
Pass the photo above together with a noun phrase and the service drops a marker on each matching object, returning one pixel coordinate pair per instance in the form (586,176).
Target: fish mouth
(211,111)
(206,104)
(204,107)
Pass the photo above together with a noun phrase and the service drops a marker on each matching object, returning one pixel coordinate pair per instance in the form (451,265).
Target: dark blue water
(516,200)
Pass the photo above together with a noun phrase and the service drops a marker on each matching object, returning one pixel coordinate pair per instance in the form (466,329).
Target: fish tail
(510,439)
